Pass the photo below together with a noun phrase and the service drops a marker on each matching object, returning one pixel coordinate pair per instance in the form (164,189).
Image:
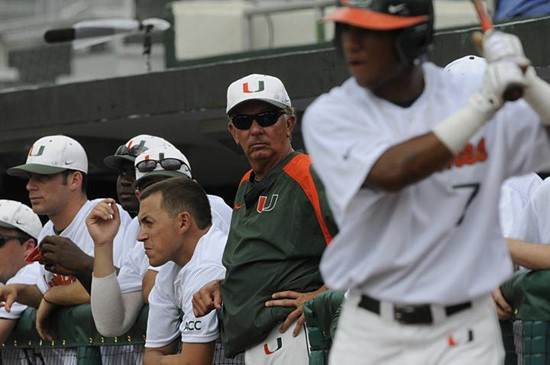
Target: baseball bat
(513,91)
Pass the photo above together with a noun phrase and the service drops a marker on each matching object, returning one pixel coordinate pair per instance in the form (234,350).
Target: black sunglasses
(133,151)
(4,239)
(264,119)
(170,164)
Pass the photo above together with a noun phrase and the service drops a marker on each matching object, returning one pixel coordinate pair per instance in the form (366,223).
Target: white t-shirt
(136,263)
(78,233)
(26,275)
(533,225)
(436,241)
(173,291)
(515,193)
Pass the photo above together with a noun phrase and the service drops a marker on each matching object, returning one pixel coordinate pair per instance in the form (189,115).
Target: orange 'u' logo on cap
(246,88)
(39,153)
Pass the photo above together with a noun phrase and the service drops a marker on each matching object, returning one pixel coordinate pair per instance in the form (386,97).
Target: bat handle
(513,92)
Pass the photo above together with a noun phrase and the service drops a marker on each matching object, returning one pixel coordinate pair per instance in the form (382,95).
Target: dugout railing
(76,341)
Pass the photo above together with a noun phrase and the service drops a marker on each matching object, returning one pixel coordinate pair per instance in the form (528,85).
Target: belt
(411,314)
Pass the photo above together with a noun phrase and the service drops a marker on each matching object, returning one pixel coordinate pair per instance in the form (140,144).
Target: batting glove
(499,46)
(498,76)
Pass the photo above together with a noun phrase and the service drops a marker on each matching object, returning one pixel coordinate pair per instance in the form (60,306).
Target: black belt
(411,314)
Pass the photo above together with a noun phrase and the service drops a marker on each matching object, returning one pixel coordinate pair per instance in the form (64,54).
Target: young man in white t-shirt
(56,169)
(412,159)
(19,229)
(177,232)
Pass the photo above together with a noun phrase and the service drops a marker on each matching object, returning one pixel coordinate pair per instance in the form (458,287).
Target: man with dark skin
(412,158)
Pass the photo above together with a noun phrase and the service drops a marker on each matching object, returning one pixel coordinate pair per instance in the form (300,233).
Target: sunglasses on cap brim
(169,164)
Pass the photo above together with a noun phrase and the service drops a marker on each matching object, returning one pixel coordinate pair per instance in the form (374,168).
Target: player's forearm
(84,275)
(154,357)
(67,295)
(103,261)
(28,294)
(534,256)
(114,313)
(408,162)
(6,327)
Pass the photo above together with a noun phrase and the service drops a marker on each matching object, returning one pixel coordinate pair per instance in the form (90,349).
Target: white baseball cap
(131,149)
(155,156)
(17,215)
(257,87)
(467,65)
(51,155)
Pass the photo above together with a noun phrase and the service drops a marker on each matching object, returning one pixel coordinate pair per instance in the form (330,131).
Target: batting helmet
(412,19)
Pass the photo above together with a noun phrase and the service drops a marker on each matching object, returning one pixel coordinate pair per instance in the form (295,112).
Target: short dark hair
(180,194)
(84,185)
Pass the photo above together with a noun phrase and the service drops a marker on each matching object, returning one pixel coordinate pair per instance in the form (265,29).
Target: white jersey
(533,225)
(174,289)
(136,263)
(26,275)
(78,233)
(436,241)
(515,193)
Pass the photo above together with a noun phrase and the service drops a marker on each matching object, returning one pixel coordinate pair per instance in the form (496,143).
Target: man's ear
(75,180)
(290,123)
(231,128)
(184,221)
(29,245)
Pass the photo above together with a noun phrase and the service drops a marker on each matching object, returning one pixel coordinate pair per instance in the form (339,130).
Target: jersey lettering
(57,280)
(470,155)
(192,326)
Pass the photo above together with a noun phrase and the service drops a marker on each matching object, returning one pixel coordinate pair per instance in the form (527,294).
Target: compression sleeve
(114,313)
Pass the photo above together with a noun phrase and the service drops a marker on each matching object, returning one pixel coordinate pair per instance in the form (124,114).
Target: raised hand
(103,222)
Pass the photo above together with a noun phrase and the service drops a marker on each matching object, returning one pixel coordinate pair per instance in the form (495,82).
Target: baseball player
(56,169)
(123,162)
(19,229)
(177,233)
(280,226)
(136,276)
(412,158)
(66,256)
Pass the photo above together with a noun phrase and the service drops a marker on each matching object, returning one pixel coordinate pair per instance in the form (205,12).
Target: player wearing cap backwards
(66,256)
(280,227)
(153,165)
(19,229)
(56,169)
(412,158)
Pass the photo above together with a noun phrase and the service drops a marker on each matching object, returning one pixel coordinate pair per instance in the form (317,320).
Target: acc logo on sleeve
(193,326)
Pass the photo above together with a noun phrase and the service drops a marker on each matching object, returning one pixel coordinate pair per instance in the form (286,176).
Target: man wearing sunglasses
(281,224)
(137,277)
(19,230)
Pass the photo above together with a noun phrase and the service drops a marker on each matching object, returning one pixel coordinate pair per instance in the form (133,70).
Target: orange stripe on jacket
(298,169)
